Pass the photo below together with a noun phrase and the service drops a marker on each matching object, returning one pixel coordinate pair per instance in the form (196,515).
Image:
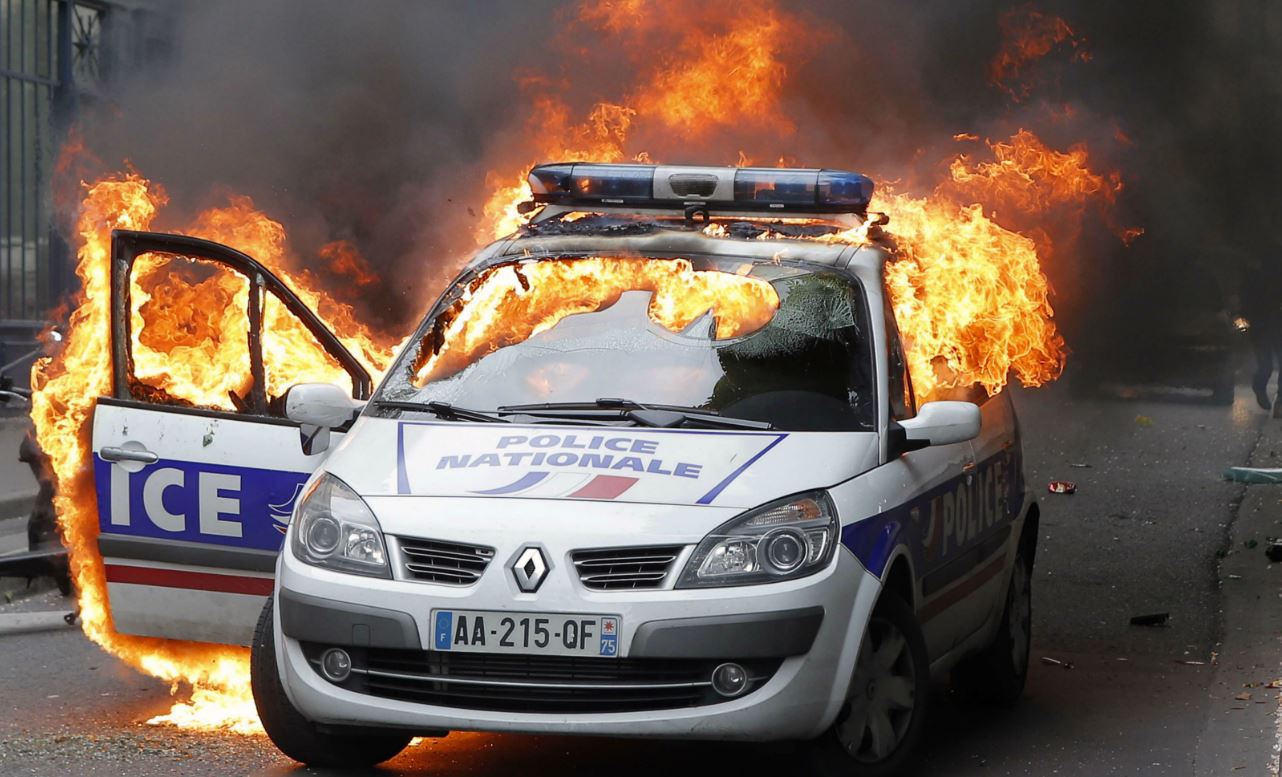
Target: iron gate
(49,54)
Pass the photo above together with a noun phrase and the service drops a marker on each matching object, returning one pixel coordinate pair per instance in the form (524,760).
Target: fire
(189,325)
(970,299)
(1027,178)
(721,68)
(1027,36)
(511,303)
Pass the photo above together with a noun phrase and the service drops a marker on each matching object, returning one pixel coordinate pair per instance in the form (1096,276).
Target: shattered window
(754,340)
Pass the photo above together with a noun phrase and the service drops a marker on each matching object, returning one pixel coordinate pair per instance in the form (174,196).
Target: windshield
(784,345)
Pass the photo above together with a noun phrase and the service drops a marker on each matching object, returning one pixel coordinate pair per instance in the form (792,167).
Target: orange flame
(721,67)
(510,303)
(1027,36)
(189,325)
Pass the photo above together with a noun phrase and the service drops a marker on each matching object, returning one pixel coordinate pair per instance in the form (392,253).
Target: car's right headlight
(781,540)
(335,529)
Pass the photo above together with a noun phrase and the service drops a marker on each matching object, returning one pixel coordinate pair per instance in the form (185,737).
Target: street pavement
(1152,528)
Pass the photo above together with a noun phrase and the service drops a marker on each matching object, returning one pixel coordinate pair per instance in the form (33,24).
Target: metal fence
(49,50)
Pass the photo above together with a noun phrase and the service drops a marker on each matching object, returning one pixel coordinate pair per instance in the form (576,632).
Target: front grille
(555,684)
(451,563)
(625,568)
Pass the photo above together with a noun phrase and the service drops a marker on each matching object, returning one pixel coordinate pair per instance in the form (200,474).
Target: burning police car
(652,467)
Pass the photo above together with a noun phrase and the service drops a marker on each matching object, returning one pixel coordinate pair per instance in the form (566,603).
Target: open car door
(195,466)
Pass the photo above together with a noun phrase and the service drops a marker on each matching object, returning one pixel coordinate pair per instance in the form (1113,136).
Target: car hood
(395,457)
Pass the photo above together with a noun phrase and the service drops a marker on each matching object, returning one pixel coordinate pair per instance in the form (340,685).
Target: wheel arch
(900,579)
(1029,533)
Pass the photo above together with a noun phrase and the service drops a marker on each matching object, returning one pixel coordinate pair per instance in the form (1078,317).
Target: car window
(902,401)
(805,365)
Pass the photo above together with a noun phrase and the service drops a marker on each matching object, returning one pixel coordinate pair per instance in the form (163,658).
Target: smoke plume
(377,123)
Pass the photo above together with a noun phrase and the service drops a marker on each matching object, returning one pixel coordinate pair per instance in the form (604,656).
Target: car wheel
(877,729)
(295,735)
(998,674)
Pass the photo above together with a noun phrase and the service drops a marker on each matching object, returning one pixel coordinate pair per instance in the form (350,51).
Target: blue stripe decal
(526,481)
(945,523)
(216,504)
(718,488)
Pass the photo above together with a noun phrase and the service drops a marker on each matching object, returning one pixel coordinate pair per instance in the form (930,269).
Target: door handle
(125,454)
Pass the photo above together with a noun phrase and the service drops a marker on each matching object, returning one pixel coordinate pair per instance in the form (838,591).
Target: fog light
(336,665)
(730,680)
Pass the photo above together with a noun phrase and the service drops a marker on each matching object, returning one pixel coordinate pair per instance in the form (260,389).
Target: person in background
(1261,303)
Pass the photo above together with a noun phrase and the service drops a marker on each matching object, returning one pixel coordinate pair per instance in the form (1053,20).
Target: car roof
(675,242)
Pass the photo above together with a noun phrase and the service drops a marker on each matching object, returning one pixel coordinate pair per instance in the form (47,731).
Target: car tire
(997,675)
(295,735)
(891,683)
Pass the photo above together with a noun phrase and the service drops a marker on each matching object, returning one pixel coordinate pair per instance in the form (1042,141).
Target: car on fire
(690,495)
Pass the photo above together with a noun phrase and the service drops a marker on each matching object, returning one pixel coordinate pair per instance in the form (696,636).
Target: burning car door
(195,466)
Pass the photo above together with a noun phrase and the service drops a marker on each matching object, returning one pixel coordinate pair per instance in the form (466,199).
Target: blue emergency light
(733,189)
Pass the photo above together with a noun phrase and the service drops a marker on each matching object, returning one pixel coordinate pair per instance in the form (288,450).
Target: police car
(604,528)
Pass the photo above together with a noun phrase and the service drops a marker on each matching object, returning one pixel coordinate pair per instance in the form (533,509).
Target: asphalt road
(1152,528)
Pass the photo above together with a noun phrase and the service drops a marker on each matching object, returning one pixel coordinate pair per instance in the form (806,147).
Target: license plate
(551,634)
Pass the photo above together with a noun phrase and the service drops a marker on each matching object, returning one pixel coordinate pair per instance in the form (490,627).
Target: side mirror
(317,408)
(940,423)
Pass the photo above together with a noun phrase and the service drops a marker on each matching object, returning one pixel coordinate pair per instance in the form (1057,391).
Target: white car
(597,525)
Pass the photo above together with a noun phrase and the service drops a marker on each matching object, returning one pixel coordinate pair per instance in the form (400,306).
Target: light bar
(770,189)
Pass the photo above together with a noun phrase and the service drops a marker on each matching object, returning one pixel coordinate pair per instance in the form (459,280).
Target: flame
(511,303)
(189,325)
(1029,35)
(970,299)
(721,68)
(1027,177)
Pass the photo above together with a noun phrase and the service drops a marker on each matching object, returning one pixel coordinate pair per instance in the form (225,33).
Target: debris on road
(1253,475)
(1274,550)
(1154,619)
(1186,662)
(1062,487)
(1056,662)
(1143,420)
(1081,466)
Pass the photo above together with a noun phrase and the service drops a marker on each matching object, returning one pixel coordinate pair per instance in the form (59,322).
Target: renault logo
(530,569)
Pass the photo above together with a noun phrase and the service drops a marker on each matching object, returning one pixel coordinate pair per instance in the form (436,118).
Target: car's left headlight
(781,540)
(335,529)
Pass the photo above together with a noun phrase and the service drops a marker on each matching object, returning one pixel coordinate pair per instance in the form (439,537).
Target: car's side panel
(189,540)
(954,509)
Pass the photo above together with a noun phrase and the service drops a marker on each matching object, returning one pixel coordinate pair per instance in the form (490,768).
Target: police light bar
(676,186)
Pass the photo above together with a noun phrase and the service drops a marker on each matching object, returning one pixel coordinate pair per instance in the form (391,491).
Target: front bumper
(805,631)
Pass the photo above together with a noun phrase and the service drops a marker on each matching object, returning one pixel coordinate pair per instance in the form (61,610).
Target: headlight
(334,528)
(782,540)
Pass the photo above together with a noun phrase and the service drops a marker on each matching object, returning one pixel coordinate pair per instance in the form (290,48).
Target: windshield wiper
(445,410)
(637,412)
